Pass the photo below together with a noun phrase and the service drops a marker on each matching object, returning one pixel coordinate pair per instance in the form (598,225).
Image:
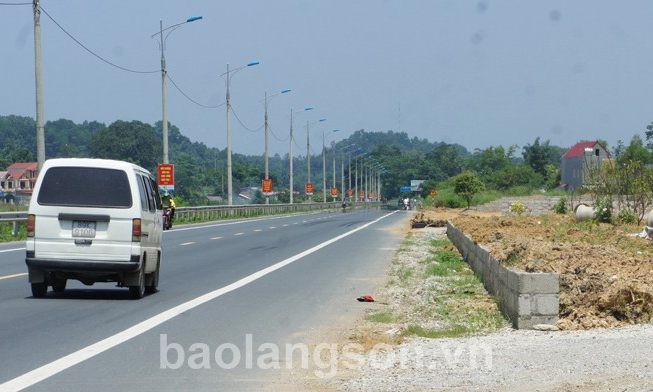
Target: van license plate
(85,229)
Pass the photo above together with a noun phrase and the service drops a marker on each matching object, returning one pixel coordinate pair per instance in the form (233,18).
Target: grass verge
(433,293)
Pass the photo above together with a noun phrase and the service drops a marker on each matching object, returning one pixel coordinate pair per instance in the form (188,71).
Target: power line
(189,98)
(243,125)
(275,136)
(90,51)
(15,3)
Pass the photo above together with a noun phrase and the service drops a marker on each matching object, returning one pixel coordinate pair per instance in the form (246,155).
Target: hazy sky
(477,73)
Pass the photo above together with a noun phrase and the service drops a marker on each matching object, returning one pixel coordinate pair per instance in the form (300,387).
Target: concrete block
(544,283)
(512,280)
(529,323)
(547,304)
(524,307)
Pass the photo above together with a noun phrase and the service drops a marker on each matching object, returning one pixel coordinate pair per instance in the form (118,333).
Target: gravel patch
(515,360)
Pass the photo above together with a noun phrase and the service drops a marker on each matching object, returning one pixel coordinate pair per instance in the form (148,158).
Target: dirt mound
(606,274)
(421,221)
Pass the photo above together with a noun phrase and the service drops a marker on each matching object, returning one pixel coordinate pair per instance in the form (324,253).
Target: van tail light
(136,230)
(31,225)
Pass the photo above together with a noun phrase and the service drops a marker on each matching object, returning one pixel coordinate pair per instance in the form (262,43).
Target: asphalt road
(233,296)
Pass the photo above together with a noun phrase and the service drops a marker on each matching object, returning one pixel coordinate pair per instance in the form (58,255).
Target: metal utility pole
(164,96)
(40,128)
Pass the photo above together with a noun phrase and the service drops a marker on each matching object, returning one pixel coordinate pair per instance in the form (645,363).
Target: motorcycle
(167,218)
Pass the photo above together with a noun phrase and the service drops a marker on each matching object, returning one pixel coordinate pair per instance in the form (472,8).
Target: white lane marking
(13,276)
(186,243)
(48,370)
(257,230)
(216,238)
(239,234)
(11,250)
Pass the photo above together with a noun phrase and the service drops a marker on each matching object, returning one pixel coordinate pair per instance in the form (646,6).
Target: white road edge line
(11,250)
(48,370)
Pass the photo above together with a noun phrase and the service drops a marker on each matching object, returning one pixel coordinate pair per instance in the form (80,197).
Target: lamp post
(342,167)
(229,74)
(267,167)
(292,141)
(164,73)
(356,174)
(324,166)
(308,147)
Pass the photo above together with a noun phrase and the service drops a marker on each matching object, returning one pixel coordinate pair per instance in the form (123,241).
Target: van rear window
(85,187)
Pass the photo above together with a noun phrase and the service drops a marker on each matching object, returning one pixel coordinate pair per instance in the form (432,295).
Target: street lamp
(230,200)
(164,73)
(324,166)
(342,166)
(292,141)
(356,172)
(308,148)
(267,175)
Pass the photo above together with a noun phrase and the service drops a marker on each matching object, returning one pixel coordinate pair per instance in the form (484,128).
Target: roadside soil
(606,273)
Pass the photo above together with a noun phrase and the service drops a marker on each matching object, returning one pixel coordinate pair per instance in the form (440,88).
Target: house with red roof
(577,162)
(20,177)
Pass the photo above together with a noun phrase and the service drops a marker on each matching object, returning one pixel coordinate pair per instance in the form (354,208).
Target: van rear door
(85,213)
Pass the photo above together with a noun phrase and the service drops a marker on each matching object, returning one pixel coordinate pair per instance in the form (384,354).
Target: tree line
(200,170)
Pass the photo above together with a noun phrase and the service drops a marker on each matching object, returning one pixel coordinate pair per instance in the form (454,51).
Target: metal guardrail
(211,213)
(13,217)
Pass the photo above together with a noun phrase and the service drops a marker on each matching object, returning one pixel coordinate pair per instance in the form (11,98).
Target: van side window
(142,191)
(150,200)
(157,197)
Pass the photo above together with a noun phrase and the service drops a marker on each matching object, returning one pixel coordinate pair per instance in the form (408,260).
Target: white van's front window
(85,187)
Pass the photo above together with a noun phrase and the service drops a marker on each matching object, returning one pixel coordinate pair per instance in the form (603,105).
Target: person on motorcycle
(344,205)
(169,203)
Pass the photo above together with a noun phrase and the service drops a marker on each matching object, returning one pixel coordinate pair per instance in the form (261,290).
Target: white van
(94,220)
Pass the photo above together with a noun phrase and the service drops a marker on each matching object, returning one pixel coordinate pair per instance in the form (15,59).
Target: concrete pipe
(584,212)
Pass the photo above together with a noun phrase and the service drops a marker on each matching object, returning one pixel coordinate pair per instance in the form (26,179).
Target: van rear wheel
(39,290)
(137,292)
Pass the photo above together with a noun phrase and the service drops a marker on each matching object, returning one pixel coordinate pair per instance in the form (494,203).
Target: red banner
(267,187)
(334,192)
(166,176)
(350,192)
(309,189)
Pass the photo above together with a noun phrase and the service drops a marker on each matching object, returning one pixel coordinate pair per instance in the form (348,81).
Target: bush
(517,207)
(628,217)
(561,206)
(603,209)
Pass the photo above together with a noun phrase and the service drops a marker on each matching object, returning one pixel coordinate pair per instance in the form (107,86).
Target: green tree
(466,185)
(129,141)
(636,151)
(21,154)
(187,182)
(447,160)
(539,155)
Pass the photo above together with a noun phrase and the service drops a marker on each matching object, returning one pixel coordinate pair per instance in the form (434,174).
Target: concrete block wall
(535,205)
(527,299)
